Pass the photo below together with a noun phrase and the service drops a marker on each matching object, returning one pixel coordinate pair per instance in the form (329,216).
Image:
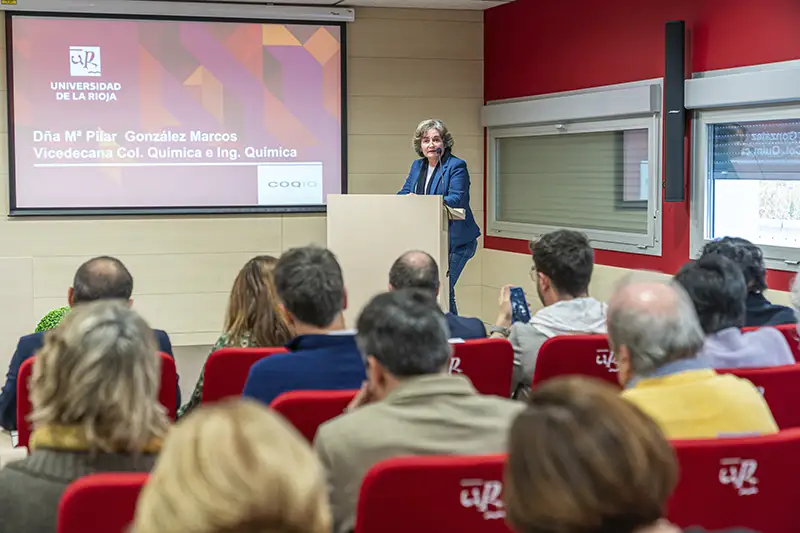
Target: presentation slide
(134,115)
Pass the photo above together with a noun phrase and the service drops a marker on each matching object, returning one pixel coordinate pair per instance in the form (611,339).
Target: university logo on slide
(84,61)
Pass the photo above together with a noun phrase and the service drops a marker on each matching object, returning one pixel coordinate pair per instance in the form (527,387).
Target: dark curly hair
(747,256)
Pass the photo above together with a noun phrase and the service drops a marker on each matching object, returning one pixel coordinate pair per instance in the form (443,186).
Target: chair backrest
(167,395)
(586,355)
(24,406)
(740,482)
(308,410)
(226,371)
(778,384)
(488,363)
(100,503)
(792,337)
(433,495)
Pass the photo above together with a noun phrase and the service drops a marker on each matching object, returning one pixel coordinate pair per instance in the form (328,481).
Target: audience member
(101,278)
(562,269)
(254,318)
(718,291)
(270,480)
(748,257)
(94,391)
(582,460)
(409,405)
(324,355)
(656,337)
(418,270)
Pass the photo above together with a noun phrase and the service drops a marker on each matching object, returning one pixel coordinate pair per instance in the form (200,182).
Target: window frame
(775,257)
(638,243)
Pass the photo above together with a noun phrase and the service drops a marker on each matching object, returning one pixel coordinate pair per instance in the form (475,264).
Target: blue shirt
(314,362)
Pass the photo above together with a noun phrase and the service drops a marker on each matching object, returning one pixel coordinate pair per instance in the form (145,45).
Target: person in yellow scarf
(94,392)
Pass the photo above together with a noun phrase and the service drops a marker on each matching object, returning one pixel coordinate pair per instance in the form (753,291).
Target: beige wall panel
(89,237)
(469,300)
(304,230)
(415,77)
(16,306)
(376,115)
(165,274)
(422,39)
(363,13)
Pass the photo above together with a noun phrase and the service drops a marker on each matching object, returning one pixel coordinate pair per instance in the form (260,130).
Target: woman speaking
(440,172)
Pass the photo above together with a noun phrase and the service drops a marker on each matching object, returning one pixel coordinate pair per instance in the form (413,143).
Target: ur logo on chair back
(484,496)
(455,364)
(740,473)
(606,358)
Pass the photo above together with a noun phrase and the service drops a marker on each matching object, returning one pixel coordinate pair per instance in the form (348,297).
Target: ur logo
(84,61)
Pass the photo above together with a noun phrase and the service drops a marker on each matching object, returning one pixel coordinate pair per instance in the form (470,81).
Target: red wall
(537,47)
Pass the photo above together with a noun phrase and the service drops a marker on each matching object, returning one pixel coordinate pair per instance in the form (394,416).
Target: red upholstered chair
(586,355)
(433,495)
(779,385)
(488,363)
(100,503)
(166,395)
(792,337)
(308,410)
(742,482)
(227,369)
(24,406)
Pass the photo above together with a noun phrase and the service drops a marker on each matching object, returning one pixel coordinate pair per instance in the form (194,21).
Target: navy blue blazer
(451,180)
(314,362)
(27,348)
(466,328)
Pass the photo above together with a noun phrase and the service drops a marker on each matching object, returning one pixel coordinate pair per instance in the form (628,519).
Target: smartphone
(520,312)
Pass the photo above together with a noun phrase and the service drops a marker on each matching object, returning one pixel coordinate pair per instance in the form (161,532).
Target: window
(747,180)
(599,177)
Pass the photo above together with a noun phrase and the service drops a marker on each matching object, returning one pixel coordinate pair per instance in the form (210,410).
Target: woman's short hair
(100,370)
(234,466)
(432,124)
(583,460)
(253,306)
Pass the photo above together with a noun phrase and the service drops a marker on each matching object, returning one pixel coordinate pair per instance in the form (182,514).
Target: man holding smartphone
(563,261)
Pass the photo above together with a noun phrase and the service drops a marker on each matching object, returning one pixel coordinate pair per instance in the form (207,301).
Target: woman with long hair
(254,318)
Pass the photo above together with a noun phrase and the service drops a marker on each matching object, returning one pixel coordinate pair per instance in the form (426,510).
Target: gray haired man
(656,337)
(409,405)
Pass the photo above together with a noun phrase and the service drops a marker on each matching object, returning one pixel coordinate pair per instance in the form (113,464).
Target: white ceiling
(424,4)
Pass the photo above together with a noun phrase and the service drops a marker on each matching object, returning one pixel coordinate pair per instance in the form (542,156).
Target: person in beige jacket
(409,404)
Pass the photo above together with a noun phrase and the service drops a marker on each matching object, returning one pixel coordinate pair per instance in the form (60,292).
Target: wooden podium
(368,232)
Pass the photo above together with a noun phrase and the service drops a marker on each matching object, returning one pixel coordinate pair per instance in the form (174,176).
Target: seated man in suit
(324,355)
(418,270)
(410,405)
(101,278)
(656,337)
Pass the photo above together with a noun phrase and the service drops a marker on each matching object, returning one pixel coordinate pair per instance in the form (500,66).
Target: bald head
(656,324)
(101,278)
(415,270)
